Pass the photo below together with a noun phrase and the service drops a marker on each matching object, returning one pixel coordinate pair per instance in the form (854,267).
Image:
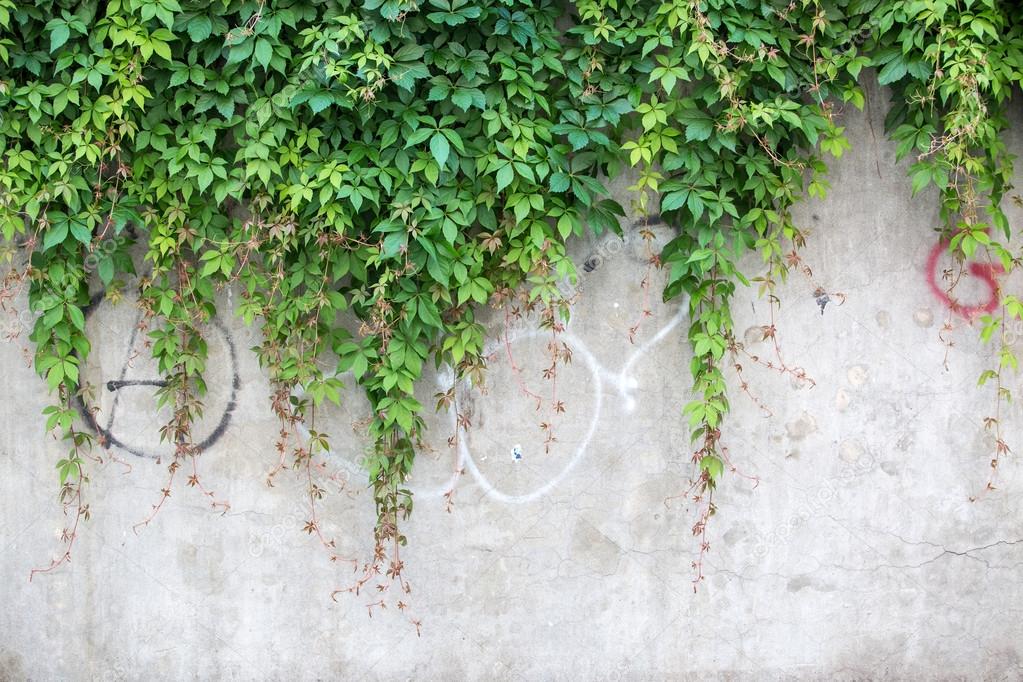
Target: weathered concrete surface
(858,553)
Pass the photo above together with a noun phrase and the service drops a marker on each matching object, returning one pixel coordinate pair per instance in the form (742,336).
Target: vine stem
(516,370)
(165,492)
(69,537)
(995,422)
(314,523)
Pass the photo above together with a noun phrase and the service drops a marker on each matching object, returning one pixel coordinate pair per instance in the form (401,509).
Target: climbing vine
(400,164)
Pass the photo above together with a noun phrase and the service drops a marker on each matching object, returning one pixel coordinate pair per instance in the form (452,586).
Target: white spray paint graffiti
(621,381)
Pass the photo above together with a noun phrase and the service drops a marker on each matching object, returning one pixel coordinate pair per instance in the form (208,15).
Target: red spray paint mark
(983,271)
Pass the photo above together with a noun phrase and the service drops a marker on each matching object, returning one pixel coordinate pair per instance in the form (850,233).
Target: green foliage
(399,164)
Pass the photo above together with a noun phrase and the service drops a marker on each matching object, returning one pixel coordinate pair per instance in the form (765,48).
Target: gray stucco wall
(857,554)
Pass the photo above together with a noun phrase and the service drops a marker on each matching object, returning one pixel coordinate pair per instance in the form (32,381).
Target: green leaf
(462,99)
(505,175)
(240,52)
(81,231)
(699,125)
(161,48)
(559,182)
(105,269)
(59,35)
(674,200)
(56,234)
(892,71)
(77,316)
(263,52)
(450,231)
(199,28)
(178,77)
(409,52)
(440,147)
(320,101)
(565,226)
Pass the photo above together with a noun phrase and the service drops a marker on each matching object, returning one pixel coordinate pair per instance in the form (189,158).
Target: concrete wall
(857,553)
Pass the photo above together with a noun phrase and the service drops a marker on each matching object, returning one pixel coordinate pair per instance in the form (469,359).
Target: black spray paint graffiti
(107,432)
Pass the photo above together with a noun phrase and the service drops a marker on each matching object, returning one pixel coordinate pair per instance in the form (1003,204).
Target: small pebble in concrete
(923,317)
(857,375)
(801,427)
(850,451)
(841,399)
